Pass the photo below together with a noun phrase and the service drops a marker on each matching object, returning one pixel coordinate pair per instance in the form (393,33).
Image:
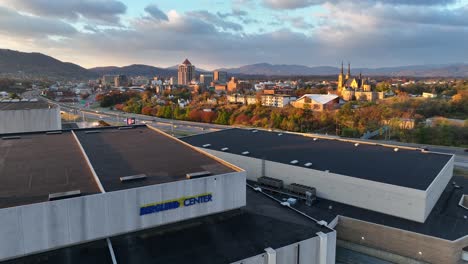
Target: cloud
(13,23)
(368,34)
(296,4)
(107,11)
(215,20)
(156,13)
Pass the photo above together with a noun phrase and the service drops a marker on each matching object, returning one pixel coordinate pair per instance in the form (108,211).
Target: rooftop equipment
(92,132)
(195,175)
(64,195)
(133,178)
(271,182)
(11,137)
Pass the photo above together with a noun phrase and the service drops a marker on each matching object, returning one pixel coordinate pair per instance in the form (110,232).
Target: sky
(230,33)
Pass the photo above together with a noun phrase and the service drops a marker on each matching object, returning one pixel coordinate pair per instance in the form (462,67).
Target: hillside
(37,65)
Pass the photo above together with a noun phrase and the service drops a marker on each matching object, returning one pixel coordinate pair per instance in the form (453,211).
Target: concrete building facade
(277,100)
(28,116)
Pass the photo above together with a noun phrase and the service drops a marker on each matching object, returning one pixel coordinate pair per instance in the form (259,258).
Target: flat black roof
(406,168)
(446,220)
(221,238)
(37,164)
(118,153)
(96,252)
(24,105)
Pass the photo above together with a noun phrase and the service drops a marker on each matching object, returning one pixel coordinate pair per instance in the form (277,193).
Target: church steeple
(341,82)
(348,74)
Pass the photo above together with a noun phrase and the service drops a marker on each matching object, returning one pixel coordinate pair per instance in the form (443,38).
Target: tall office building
(220,76)
(206,78)
(186,72)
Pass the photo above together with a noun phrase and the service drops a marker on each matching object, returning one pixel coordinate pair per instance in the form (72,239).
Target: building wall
(315,250)
(380,197)
(437,187)
(13,121)
(401,242)
(45,226)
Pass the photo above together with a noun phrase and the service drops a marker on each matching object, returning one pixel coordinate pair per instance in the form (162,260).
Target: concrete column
(323,248)
(270,256)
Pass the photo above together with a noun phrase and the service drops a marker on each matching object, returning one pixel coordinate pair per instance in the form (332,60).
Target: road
(176,127)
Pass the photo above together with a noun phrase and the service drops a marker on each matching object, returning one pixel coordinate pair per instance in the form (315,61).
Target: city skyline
(371,33)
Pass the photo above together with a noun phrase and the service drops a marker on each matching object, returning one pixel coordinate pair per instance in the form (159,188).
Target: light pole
(172,119)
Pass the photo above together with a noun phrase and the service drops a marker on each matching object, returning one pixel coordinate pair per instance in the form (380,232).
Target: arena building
(394,199)
(133,195)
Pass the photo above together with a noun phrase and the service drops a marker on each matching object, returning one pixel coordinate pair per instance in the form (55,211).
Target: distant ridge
(449,70)
(37,65)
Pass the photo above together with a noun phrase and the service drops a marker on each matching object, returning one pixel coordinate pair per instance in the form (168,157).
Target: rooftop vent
(206,145)
(254,131)
(64,195)
(356,144)
(315,139)
(124,127)
(245,153)
(195,175)
(395,149)
(133,178)
(308,164)
(294,161)
(53,132)
(224,149)
(11,137)
(92,132)
(322,223)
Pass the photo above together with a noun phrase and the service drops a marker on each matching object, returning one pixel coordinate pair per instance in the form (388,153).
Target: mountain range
(38,65)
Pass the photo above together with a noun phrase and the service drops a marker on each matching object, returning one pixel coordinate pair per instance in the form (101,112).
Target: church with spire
(356,88)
